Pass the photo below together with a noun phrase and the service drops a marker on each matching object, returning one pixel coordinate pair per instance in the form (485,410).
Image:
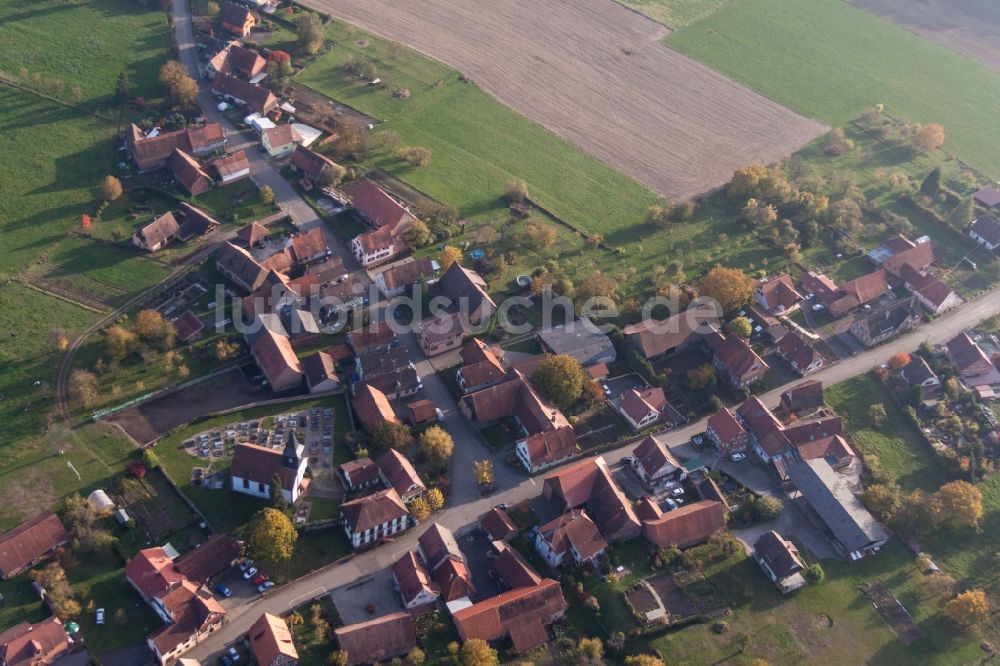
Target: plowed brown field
(594,73)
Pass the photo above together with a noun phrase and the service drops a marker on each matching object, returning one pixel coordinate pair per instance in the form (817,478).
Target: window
(261,488)
(246,483)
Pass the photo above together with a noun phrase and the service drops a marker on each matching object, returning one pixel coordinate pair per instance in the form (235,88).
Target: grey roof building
(835,509)
(580,339)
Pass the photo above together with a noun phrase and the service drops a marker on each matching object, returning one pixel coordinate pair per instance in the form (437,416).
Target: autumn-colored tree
(899,360)
(266,195)
(740,326)
(758,213)
(516,191)
(111,188)
(309,33)
(154,330)
(170,72)
(435,499)
(537,234)
(483,471)
(120,341)
(226,349)
(58,341)
(477,652)
(643,660)
(414,156)
(702,378)
(420,509)
(436,445)
(958,504)
(969,608)
(415,657)
(656,215)
(418,234)
(352,139)
(746,180)
(928,137)
(338,658)
(592,393)
(271,536)
(729,286)
(390,435)
(83,387)
(448,256)
(332,175)
(181,89)
(212,8)
(837,143)
(883,500)
(596,285)
(590,651)
(58,592)
(559,378)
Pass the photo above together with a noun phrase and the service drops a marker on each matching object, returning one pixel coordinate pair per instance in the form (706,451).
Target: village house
(589,484)
(918,373)
(360,474)
(236,60)
(833,508)
(395,280)
(860,291)
(514,398)
(975,370)
(726,432)
(321,372)
(31,542)
(419,412)
(272,352)
(372,407)
(986,231)
(480,367)
(780,561)
(820,287)
(687,526)
(497,525)
(271,642)
(157,234)
(368,520)
(546,449)
(467,292)
(151,152)
(735,360)
(34,644)
(397,472)
(413,584)
(389,371)
(654,464)
(658,339)
(523,614)
(237,19)
(210,559)
(930,292)
(254,468)
(642,407)
(580,339)
(189,610)
(189,174)
(240,268)
(311,165)
(188,327)
(898,252)
(803,397)
(379,640)
(230,168)
(876,327)
(389,220)
(570,538)
(440,334)
(280,141)
(777,294)
(194,222)
(377,335)
(799,354)
(446,564)
(510,569)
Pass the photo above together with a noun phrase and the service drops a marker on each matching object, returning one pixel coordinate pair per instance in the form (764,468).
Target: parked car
(225,660)
(736,457)
(246,564)
(99,617)
(678,491)
(439,414)
(223,590)
(607,389)
(265,586)
(250,573)
(233,653)
(260,578)
(818,307)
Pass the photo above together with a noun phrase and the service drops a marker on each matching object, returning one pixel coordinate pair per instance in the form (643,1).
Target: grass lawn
(86,44)
(829,60)
(675,13)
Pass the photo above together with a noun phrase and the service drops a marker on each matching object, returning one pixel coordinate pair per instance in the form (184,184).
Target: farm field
(675,14)
(829,60)
(967,26)
(664,120)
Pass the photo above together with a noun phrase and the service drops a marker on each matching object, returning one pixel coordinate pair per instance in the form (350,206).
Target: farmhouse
(986,231)
(885,324)
(311,164)
(273,354)
(823,288)
(468,294)
(497,525)
(150,152)
(397,279)
(31,542)
(378,208)
(726,432)
(271,642)
(654,464)
(580,339)
(780,561)
(254,468)
(382,362)
(445,562)
(777,294)
(735,359)
(860,291)
(230,168)
(236,61)
(589,484)
(397,472)
(210,559)
(687,526)
(975,370)
(571,538)
(378,640)
(546,449)
(321,372)
(240,268)
(369,519)
(413,584)
(243,93)
(440,334)
(656,339)
(377,335)
(372,407)
(523,614)
(513,398)
(378,246)
(930,292)
(802,397)
(27,644)
(237,19)
(157,234)
(799,354)
(280,141)
(360,473)
(834,509)
(480,367)
(195,222)
(189,174)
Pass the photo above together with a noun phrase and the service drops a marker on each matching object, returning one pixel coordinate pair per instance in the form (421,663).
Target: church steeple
(290,456)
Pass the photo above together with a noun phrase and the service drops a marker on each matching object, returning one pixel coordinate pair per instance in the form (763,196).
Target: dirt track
(971,27)
(594,73)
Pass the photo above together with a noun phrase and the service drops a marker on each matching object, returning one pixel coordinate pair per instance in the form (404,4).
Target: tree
(57,590)
(537,234)
(682,211)
(266,195)
(560,379)
(591,650)
(516,191)
(418,234)
(729,286)
(123,88)
(226,349)
(876,414)
(702,378)
(278,500)
(483,470)
(596,285)
(436,445)
(337,658)
(279,68)
(899,360)
(592,393)
(435,499)
(837,143)
(746,180)
(414,156)
(643,660)
(477,652)
(309,33)
(415,657)
(352,139)
(932,183)
(740,326)
(815,573)
(758,213)
(448,256)
(969,608)
(962,214)
(883,500)
(111,188)
(928,137)
(170,72)
(271,536)
(332,175)
(390,435)
(120,341)
(656,215)
(181,89)
(420,509)
(764,508)
(149,458)
(958,504)
(83,387)
(86,536)
(154,330)
(58,341)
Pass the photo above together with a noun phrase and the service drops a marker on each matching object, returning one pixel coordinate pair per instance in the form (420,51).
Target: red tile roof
(686,526)
(257,98)
(187,326)
(188,172)
(373,336)
(309,244)
(367,512)
(438,544)
(276,358)
(27,644)
(736,356)
(378,207)
(638,404)
(270,640)
(498,525)
(239,60)
(653,455)
(152,152)
(725,426)
(654,338)
(793,348)
(422,411)
(521,613)
(919,257)
(590,483)
(574,529)
(413,578)
(309,162)
(361,471)
(399,471)
(806,395)
(825,289)
(551,445)
(405,275)
(259,464)
(152,572)
(779,292)
(209,559)
(230,165)
(454,579)
(377,640)
(29,541)
(159,230)
(512,568)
